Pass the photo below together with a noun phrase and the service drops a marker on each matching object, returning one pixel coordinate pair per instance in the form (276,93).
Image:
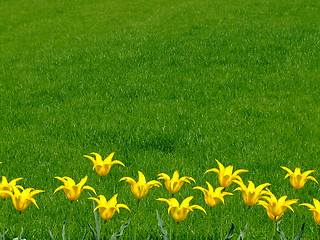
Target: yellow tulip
(140,188)
(5,186)
(180,212)
(297,179)
(276,208)
(213,197)
(174,184)
(250,194)
(103,167)
(71,189)
(315,209)
(225,175)
(21,200)
(108,208)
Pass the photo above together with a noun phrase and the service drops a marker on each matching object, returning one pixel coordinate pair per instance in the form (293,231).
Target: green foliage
(162,227)
(3,235)
(230,233)
(64,232)
(243,232)
(97,231)
(283,236)
(117,235)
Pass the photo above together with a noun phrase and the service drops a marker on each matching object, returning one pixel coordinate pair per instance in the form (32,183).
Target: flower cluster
(251,195)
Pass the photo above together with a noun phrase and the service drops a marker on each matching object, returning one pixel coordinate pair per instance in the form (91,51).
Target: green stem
(70,226)
(274,229)
(221,220)
(318,232)
(136,223)
(177,230)
(210,221)
(293,215)
(248,221)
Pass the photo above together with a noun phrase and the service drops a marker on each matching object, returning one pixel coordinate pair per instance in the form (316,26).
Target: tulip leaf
(64,230)
(84,235)
(163,229)
(280,232)
(300,233)
(93,232)
(96,232)
(3,235)
(119,234)
(230,233)
(243,232)
(50,234)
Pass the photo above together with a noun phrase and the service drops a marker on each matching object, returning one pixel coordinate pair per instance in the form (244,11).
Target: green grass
(166,85)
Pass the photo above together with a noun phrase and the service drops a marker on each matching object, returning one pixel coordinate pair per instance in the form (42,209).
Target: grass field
(166,85)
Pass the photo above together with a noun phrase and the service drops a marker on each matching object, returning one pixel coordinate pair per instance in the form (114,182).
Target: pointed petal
(109,158)
(142,178)
(91,158)
(123,206)
(117,162)
(89,188)
(128,179)
(212,170)
(98,158)
(288,170)
(185,202)
(313,179)
(82,182)
(35,192)
(163,176)
(59,188)
(198,207)
(201,189)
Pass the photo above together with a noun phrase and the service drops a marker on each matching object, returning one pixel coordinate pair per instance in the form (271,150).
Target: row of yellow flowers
(275,208)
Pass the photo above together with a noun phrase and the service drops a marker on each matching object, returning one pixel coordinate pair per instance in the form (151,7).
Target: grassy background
(166,85)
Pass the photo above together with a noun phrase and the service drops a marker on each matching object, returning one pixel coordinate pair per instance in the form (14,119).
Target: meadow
(166,85)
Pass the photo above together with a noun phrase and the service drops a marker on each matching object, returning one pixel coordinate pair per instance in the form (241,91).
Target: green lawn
(166,85)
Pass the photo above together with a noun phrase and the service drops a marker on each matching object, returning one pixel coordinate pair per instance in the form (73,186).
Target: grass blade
(119,234)
(163,229)
(230,233)
(300,233)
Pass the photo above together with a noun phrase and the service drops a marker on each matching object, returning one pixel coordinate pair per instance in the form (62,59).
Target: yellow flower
(250,194)
(225,174)
(108,208)
(140,188)
(5,186)
(315,209)
(276,208)
(180,212)
(297,179)
(211,196)
(21,200)
(72,190)
(103,167)
(174,184)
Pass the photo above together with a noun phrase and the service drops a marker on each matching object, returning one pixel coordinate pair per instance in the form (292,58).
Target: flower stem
(274,229)
(177,230)
(136,223)
(319,232)
(248,220)
(221,220)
